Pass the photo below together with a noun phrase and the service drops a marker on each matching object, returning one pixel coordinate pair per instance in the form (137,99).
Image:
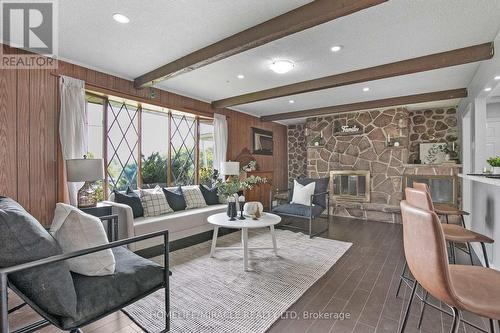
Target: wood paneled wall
(30,155)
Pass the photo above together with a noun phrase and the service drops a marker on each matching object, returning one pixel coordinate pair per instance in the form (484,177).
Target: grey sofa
(33,266)
(320,201)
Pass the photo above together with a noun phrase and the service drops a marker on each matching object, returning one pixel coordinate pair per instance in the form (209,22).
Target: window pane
(95,115)
(183,138)
(123,139)
(206,152)
(154,148)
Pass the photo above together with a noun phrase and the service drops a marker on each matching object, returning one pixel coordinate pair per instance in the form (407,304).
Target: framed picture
(432,153)
(262,141)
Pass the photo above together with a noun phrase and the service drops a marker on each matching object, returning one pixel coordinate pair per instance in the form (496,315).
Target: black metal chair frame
(310,218)
(50,319)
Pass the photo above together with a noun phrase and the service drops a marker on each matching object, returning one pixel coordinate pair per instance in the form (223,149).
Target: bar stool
(443,209)
(454,234)
(462,288)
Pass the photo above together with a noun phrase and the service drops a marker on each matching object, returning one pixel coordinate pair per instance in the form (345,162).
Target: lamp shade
(84,170)
(230,168)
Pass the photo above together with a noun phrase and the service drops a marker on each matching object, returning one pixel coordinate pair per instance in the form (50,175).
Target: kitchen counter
(481,179)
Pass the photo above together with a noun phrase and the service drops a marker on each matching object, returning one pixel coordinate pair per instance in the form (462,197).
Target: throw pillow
(193,196)
(80,231)
(154,202)
(321,186)
(23,239)
(302,194)
(210,195)
(175,198)
(132,199)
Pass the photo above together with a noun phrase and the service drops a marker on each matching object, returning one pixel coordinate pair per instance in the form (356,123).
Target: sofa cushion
(154,202)
(193,196)
(175,198)
(321,186)
(134,276)
(131,199)
(298,210)
(81,231)
(23,239)
(211,196)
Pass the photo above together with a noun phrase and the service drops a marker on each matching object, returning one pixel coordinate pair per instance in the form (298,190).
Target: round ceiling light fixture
(487,89)
(365,89)
(281,66)
(291,101)
(336,48)
(497,77)
(241,76)
(120,18)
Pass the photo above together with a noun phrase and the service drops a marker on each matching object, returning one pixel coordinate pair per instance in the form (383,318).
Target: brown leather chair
(443,209)
(463,288)
(453,233)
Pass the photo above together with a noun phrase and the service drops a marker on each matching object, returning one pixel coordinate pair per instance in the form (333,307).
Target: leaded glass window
(183,149)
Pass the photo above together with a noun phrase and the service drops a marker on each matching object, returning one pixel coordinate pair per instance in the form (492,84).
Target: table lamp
(230,168)
(85,170)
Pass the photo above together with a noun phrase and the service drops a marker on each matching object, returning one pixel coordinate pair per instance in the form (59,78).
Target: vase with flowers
(228,189)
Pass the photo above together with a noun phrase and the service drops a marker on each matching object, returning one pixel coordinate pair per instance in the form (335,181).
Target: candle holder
(232,212)
(242,203)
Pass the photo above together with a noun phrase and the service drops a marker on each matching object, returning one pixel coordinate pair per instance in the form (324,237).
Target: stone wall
(366,150)
(297,152)
(432,125)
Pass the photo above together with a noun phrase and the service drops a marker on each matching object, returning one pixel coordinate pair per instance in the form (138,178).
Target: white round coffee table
(267,220)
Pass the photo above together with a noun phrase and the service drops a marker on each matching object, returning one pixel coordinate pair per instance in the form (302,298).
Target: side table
(105,213)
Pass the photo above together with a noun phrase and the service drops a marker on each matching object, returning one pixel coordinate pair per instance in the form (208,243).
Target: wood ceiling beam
(296,20)
(370,105)
(416,65)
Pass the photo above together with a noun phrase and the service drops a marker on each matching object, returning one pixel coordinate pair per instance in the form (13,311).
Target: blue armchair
(320,201)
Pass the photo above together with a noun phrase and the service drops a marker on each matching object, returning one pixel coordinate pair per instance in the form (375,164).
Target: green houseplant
(495,163)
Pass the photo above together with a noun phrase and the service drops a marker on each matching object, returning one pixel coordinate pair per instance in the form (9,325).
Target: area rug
(216,295)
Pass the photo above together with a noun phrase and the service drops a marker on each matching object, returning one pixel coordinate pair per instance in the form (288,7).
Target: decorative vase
(251,208)
(231,210)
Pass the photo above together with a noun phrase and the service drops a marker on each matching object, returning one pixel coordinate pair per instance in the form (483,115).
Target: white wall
(481,200)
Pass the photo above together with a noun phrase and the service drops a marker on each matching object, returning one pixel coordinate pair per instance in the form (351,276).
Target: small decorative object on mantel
(251,166)
(241,200)
(433,153)
(494,162)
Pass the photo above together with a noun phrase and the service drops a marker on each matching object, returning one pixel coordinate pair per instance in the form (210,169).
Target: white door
(493,137)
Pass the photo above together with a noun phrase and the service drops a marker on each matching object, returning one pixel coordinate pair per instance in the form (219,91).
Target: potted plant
(495,163)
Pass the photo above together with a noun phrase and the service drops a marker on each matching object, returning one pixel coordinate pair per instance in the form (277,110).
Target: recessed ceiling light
(282,66)
(497,77)
(291,101)
(487,89)
(365,89)
(120,18)
(336,48)
(241,76)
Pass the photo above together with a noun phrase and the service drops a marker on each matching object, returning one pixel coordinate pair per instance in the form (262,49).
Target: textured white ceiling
(161,31)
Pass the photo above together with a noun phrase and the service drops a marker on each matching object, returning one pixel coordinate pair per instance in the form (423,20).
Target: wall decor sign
(262,141)
(346,129)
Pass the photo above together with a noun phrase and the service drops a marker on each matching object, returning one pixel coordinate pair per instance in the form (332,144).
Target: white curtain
(220,140)
(73,125)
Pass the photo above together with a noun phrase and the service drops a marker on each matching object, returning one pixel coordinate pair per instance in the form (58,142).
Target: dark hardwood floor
(361,286)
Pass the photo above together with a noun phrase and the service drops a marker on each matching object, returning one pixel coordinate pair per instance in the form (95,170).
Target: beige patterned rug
(216,295)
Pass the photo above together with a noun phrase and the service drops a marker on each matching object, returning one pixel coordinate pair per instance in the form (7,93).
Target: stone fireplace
(381,143)
(350,185)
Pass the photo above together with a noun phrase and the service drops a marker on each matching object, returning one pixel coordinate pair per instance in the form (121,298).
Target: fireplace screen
(350,185)
(444,189)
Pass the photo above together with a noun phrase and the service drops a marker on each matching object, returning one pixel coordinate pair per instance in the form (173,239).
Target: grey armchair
(33,266)
(320,201)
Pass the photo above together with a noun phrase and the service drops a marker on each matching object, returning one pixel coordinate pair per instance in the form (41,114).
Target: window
(154,150)
(144,145)
(122,145)
(206,146)
(183,149)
